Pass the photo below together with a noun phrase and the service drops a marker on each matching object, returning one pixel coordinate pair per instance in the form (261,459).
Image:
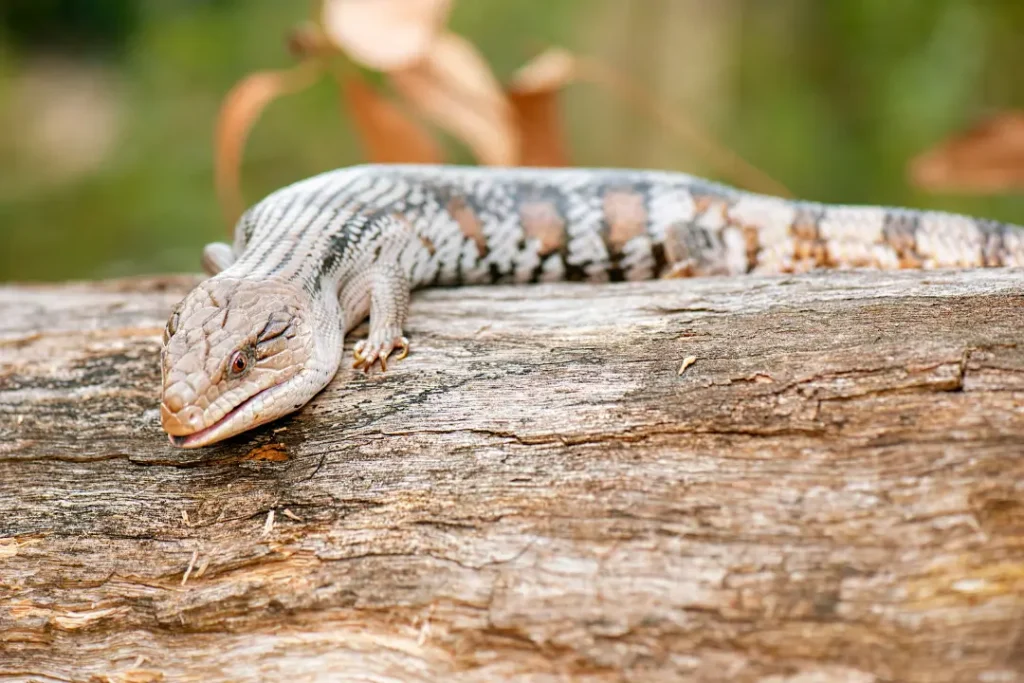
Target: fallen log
(806,478)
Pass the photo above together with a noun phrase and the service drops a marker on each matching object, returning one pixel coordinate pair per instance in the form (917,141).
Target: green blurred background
(107,107)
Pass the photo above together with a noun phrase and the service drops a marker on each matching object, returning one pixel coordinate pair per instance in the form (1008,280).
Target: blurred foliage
(107,107)
(69,25)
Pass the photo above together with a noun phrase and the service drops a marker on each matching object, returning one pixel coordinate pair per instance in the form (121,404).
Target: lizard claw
(378,347)
(403,344)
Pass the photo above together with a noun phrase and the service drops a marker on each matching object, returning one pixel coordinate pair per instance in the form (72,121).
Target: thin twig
(726,161)
(191,564)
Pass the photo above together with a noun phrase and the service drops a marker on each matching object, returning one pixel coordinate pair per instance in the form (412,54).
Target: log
(832,489)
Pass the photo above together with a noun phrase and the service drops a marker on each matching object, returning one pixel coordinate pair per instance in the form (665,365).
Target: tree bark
(833,490)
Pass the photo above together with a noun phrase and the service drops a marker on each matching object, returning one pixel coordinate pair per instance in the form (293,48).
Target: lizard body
(264,334)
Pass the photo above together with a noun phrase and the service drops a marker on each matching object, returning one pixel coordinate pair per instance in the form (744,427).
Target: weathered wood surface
(833,491)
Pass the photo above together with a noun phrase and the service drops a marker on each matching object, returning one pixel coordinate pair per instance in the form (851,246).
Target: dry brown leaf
(541,133)
(551,70)
(385,34)
(308,40)
(987,158)
(533,93)
(454,87)
(387,133)
(241,108)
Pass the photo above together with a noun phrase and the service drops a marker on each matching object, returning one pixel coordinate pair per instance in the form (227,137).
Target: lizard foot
(378,347)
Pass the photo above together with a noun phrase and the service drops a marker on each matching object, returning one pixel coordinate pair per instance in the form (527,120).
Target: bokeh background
(107,107)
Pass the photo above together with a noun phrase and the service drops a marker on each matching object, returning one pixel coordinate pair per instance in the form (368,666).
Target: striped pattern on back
(450,225)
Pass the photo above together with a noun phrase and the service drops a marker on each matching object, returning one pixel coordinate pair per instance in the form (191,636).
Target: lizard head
(238,354)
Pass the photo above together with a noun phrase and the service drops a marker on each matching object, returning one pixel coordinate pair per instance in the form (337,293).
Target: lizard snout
(183,421)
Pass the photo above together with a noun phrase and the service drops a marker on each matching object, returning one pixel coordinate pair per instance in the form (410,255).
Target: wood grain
(832,491)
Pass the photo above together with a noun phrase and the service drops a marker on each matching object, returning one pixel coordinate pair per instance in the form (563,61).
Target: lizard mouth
(223,428)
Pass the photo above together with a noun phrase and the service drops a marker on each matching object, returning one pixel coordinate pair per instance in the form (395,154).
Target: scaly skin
(264,334)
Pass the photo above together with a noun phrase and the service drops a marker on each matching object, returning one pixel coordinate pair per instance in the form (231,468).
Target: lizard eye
(238,363)
(172,327)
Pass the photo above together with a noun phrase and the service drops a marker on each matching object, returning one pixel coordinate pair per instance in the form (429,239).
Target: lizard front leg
(217,256)
(389,307)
